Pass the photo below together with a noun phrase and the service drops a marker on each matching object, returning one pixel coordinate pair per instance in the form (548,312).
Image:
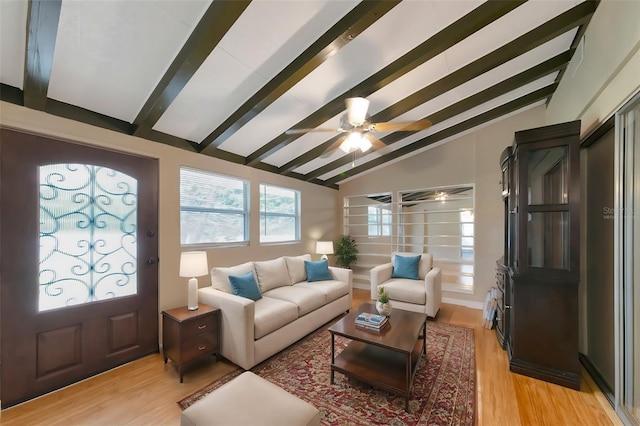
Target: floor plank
(145,392)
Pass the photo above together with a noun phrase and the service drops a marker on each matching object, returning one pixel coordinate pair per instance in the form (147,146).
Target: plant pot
(384,308)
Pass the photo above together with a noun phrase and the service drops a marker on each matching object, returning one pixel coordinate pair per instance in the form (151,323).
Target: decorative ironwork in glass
(88,244)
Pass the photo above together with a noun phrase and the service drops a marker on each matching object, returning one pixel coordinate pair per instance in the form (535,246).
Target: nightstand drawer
(200,325)
(199,345)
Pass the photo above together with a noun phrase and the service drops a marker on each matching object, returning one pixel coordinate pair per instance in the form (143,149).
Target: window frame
(245,212)
(265,214)
(379,223)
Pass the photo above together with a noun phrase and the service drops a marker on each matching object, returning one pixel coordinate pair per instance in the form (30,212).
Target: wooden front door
(78,262)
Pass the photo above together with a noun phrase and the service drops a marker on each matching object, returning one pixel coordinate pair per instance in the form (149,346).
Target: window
(88,231)
(379,221)
(279,214)
(466,231)
(214,209)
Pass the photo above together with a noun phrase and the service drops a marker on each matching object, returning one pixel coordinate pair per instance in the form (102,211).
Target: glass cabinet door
(547,224)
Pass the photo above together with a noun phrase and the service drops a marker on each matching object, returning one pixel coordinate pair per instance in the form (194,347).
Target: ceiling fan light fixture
(365,144)
(357,110)
(352,142)
(355,141)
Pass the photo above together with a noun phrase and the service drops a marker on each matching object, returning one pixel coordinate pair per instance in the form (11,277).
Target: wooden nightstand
(189,336)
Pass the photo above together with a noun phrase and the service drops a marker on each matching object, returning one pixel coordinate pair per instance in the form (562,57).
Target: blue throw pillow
(406,267)
(317,271)
(245,286)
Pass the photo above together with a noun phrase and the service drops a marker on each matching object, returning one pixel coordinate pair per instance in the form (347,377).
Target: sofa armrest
(380,274)
(344,275)
(433,287)
(238,313)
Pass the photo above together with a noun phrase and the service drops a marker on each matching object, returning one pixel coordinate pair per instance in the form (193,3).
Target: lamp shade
(193,264)
(324,247)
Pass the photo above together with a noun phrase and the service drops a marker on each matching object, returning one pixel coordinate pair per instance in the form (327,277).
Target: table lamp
(193,264)
(324,248)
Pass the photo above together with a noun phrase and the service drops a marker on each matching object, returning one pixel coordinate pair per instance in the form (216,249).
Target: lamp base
(192,295)
(324,257)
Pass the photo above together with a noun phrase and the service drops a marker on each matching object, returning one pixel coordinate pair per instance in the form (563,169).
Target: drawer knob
(202,327)
(202,348)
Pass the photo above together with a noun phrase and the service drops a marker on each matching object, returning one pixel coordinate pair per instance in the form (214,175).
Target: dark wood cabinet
(502,318)
(188,336)
(541,265)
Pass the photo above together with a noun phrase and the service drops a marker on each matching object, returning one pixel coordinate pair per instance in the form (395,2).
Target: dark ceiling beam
(76,113)
(11,94)
(475,20)
(534,38)
(554,64)
(478,120)
(273,169)
(361,17)
(214,24)
(42,27)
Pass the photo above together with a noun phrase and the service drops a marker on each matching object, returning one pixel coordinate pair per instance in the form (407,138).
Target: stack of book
(371,321)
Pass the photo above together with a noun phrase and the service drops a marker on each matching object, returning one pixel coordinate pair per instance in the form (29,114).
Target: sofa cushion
(405,267)
(317,271)
(295,266)
(426,262)
(332,289)
(245,286)
(271,314)
(404,290)
(271,274)
(220,275)
(306,299)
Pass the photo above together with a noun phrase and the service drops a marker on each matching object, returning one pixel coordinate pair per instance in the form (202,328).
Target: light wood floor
(145,392)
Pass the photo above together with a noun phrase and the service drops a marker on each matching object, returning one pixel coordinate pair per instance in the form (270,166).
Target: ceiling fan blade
(376,143)
(400,126)
(311,130)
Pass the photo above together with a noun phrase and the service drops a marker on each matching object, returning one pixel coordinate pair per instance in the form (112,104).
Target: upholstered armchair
(418,291)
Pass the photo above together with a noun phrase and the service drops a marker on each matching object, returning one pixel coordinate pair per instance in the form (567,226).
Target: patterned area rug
(443,391)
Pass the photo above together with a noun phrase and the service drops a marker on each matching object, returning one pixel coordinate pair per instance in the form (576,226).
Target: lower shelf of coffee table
(378,366)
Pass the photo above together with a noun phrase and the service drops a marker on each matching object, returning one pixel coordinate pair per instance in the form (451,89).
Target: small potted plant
(383,305)
(346,251)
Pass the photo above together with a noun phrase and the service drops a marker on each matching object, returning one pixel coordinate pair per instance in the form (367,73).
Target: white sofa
(422,295)
(290,307)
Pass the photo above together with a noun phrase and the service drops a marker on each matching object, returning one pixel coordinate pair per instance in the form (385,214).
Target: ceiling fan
(355,123)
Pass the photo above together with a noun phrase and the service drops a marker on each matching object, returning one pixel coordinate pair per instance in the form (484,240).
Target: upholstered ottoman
(250,400)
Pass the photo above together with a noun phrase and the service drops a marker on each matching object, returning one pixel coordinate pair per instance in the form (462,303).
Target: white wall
(319,221)
(595,87)
(472,158)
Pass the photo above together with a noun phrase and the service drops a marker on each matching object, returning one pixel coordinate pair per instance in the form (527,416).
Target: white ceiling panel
(110,55)
(506,29)
(13,28)
(253,52)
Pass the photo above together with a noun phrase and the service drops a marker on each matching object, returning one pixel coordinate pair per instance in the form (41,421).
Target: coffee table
(386,359)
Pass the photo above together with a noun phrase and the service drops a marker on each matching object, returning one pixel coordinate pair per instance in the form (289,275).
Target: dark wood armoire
(540,271)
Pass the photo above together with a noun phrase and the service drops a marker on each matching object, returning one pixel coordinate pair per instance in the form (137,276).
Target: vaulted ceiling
(227,79)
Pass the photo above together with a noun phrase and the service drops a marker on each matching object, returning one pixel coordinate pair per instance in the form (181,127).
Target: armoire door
(78,268)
